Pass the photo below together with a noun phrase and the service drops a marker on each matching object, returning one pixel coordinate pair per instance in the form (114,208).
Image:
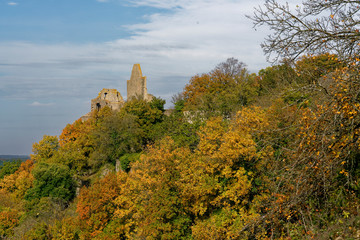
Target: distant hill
(7,158)
(13,157)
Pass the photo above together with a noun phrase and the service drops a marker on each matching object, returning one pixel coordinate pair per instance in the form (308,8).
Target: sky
(55,56)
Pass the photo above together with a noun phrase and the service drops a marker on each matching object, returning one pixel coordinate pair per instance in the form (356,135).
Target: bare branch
(316,27)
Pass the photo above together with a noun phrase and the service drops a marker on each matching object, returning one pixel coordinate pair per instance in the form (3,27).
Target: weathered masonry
(136,88)
(107,97)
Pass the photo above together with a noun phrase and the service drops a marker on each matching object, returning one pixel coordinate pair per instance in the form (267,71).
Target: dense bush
(51,180)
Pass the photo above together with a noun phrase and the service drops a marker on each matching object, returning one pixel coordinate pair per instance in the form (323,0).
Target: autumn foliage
(273,155)
(95,204)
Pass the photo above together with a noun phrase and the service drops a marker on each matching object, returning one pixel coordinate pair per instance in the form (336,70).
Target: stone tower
(136,86)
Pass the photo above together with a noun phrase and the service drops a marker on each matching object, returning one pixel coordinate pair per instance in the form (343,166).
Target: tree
(9,168)
(316,164)
(20,181)
(117,135)
(154,190)
(45,149)
(320,168)
(147,114)
(179,128)
(96,206)
(318,26)
(12,190)
(157,103)
(229,163)
(39,232)
(66,228)
(232,67)
(77,143)
(313,174)
(8,220)
(275,78)
(222,91)
(78,131)
(51,180)
(127,159)
(178,101)
(310,69)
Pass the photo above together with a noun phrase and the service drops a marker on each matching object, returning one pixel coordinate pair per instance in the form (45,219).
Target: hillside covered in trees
(267,155)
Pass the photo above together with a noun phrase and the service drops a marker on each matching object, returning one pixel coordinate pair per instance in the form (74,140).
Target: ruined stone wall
(107,97)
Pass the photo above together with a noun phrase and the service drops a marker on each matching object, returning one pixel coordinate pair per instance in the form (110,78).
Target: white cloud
(38,104)
(184,38)
(12,3)
(171,47)
(169,4)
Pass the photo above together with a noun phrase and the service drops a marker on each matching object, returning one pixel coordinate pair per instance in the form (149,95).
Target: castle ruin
(136,88)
